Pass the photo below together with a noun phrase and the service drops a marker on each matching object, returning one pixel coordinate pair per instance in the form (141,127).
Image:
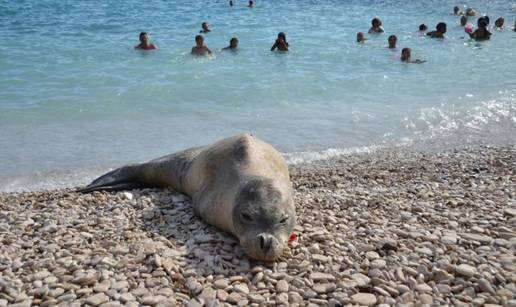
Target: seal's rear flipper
(119,179)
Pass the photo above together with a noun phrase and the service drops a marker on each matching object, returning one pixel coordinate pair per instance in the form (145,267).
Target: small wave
(310,156)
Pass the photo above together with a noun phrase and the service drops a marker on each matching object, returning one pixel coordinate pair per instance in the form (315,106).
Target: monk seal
(240,185)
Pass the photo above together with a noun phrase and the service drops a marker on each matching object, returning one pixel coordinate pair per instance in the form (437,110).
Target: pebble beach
(396,227)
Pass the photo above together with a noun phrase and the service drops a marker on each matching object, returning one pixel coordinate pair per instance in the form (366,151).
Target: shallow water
(76,98)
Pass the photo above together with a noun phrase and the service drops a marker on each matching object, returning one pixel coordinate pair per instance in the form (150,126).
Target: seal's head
(263,218)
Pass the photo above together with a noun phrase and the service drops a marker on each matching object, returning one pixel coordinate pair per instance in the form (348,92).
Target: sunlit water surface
(77,99)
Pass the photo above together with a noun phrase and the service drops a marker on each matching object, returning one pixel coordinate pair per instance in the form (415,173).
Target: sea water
(76,99)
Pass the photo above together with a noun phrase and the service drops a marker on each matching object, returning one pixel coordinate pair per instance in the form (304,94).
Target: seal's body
(239,184)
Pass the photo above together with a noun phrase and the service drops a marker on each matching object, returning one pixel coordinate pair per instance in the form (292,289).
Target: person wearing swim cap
(439,32)
(145,43)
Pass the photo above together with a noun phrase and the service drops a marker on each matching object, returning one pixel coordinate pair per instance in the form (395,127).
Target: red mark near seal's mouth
(292,237)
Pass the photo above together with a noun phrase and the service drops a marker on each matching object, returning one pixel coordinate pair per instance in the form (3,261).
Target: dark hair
(480,20)
(486,18)
(392,36)
(198,37)
(405,50)
(233,39)
(283,36)
(441,26)
(375,20)
(482,23)
(423,27)
(142,34)
(456,9)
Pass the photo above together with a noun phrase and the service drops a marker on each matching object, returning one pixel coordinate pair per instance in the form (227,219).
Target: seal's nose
(265,242)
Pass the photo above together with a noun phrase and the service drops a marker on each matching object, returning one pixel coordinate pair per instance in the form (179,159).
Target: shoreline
(393,226)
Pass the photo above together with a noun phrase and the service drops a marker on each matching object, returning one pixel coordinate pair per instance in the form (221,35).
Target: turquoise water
(76,98)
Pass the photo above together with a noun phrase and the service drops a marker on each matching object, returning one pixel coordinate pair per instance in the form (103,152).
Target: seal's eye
(284,220)
(247,217)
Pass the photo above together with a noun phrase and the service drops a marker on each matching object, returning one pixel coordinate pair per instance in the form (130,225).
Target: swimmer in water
(439,32)
(145,44)
(230,2)
(463,20)
(481,33)
(233,45)
(361,37)
(406,54)
(423,28)
(280,43)
(457,11)
(200,48)
(251,3)
(376,26)
(392,41)
(499,23)
(470,12)
(205,28)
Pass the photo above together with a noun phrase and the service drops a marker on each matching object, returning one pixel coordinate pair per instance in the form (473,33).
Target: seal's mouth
(264,246)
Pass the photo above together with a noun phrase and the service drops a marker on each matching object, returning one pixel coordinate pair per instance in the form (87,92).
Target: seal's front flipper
(123,178)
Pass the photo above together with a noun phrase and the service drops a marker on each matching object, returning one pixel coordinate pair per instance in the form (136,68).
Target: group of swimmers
(201,49)
(481,33)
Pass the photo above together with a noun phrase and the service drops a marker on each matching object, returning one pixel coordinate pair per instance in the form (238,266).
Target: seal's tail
(123,178)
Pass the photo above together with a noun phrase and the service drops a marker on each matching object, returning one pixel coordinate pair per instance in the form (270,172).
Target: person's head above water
(360,37)
(499,22)
(144,38)
(376,26)
(470,12)
(482,24)
(456,10)
(376,22)
(145,43)
(205,27)
(463,20)
(280,43)
(405,54)
(199,40)
(441,27)
(233,43)
(423,27)
(392,41)
(230,2)
(251,3)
